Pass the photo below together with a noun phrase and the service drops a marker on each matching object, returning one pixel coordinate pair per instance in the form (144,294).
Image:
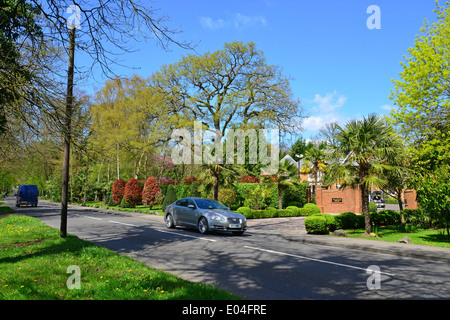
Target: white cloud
(210,23)
(387,107)
(330,102)
(326,110)
(238,20)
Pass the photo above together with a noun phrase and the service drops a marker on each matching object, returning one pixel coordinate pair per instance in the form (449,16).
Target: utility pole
(67,135)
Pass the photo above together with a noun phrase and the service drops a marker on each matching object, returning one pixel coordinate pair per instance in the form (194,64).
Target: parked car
(377,198)
(27,195)
(205,215)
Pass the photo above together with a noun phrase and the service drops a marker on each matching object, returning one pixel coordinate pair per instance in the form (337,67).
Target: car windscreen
(209,204)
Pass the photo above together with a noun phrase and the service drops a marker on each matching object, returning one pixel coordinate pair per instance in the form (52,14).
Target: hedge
(349,220)
(271,212)
(330,220)
(316,225)
(385,218)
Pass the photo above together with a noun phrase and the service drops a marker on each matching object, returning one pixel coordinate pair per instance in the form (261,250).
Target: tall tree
(359,157)
(101,26)
(234,86)
(422,96)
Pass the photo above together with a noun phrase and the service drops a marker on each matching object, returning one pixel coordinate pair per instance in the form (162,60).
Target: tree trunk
(400,205)
(216,174)
(118,163)
(280,196)
(86,179)
(67,136)
(365,208)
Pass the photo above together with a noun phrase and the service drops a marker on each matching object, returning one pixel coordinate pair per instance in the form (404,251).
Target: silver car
(205,215)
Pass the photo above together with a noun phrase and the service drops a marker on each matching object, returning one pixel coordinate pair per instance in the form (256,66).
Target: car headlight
(217,217)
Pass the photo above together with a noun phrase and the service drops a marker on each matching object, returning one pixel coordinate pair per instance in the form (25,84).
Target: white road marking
(125,224)
(76,214)
(132,225)
(313,259)
(186,235)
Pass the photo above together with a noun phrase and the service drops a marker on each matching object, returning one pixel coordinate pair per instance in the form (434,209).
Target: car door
(179,211)
(191,213)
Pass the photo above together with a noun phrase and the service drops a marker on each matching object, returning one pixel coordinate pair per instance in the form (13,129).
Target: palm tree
(215,175)
(286,176)
(314,161)
(364,145)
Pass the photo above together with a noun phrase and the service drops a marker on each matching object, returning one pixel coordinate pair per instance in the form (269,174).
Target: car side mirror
(191,206)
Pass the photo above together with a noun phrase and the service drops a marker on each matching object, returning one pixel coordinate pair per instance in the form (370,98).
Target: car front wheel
(169,222)
(203,225)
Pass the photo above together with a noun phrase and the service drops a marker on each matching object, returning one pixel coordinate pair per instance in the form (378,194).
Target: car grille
(234,220)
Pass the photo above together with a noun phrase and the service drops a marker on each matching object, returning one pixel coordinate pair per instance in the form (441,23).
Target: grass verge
(431,237)
(35,260)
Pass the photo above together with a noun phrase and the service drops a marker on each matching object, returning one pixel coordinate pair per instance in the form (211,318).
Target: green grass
(34,262)
(430,237)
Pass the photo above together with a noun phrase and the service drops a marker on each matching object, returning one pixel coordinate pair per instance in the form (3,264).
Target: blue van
(27,195)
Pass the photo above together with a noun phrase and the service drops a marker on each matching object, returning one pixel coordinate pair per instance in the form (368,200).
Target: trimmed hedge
(316,225)
(314,208)
(271,212)
(385,218)
(330,220)
(349,220)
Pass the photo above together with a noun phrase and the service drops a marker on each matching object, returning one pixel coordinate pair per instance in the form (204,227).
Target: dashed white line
(185,235)
(123,223)
(313,259)
(76,214)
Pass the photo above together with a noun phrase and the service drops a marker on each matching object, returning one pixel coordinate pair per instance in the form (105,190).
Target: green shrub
(194,189)
(170,197)
(245,211)
(125,204)
(284,213)
(331,221)
(316,225)
(347,220)
(271,212)
(313,207)
(295,204)
(372,207)
(385,218)
(294,193)
(391,201)
(306,212)
(417,217)
(295,211)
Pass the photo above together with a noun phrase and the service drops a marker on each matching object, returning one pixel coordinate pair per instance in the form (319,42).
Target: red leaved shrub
(118,190)
(151,193)
(133,192)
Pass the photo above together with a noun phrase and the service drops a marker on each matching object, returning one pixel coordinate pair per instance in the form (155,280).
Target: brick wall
(338,201)
(410,199)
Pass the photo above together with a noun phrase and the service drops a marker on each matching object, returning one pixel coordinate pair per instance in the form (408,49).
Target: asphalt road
(258,265)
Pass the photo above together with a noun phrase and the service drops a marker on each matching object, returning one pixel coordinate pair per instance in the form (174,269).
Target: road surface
(260,264)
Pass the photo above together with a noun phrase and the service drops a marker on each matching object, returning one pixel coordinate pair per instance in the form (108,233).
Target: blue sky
(340,68)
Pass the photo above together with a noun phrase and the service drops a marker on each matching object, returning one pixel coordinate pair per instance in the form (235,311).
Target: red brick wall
(410,199)
(351,200)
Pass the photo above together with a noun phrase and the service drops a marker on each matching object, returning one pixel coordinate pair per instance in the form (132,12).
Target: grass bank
(35,261)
